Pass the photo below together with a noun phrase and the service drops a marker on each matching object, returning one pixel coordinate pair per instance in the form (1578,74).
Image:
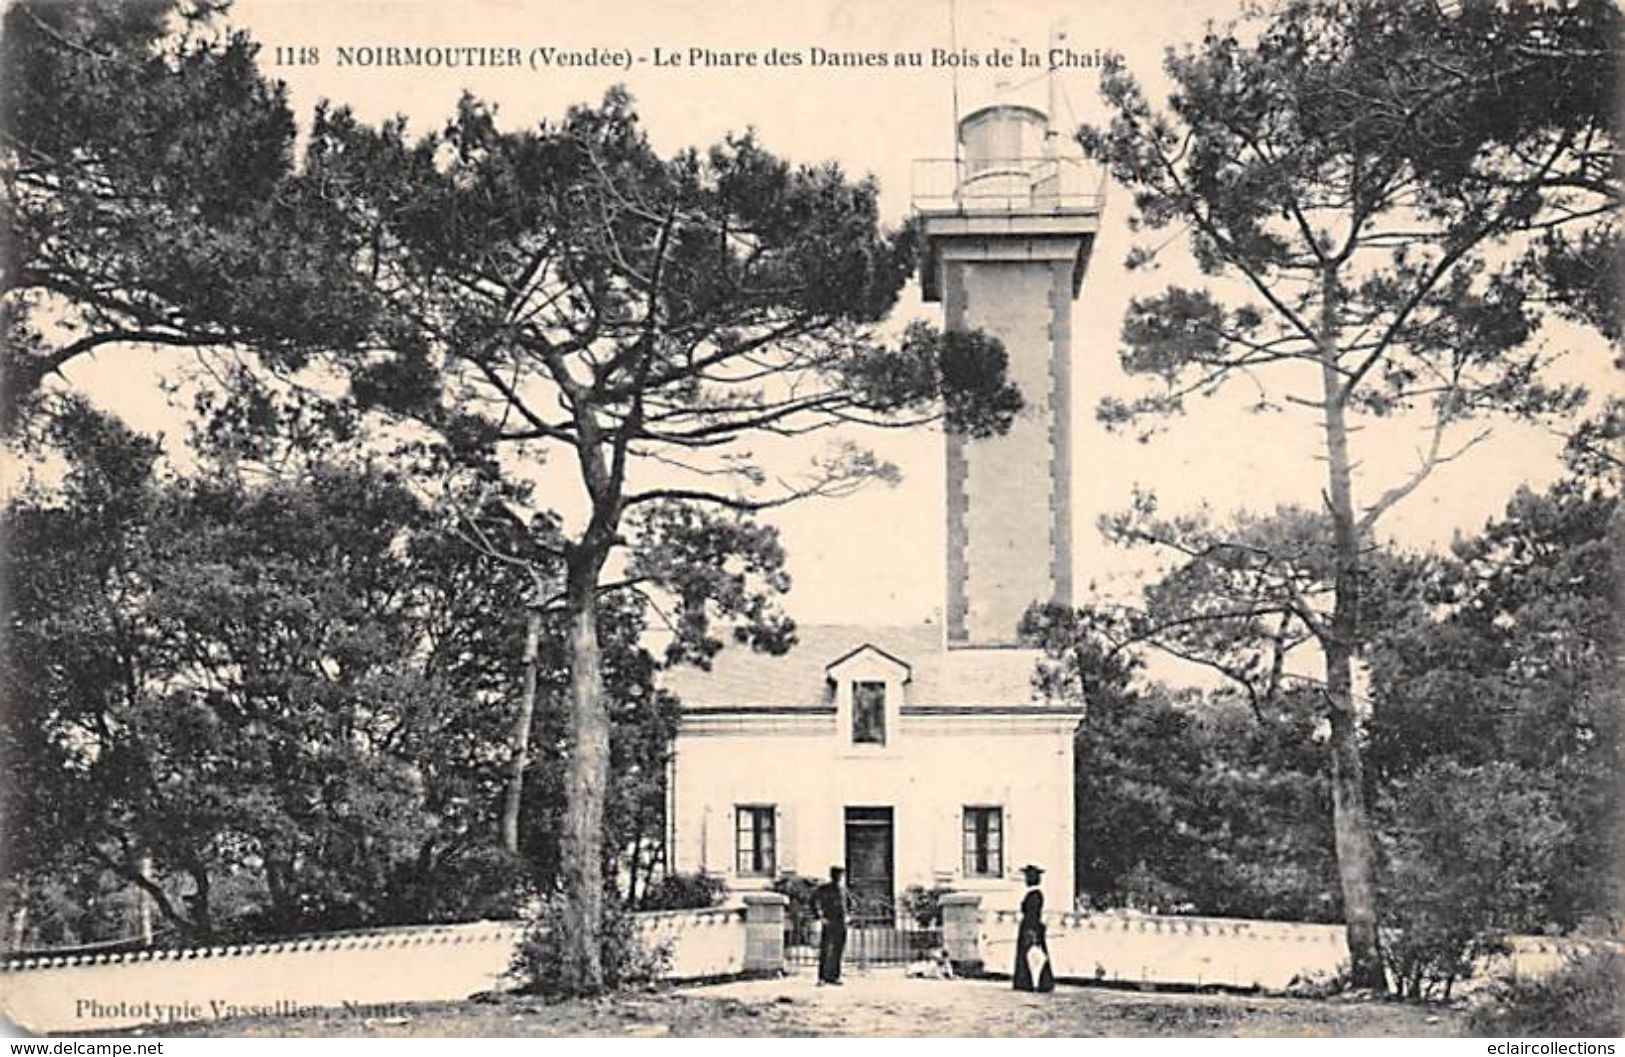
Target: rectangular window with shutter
(755,841)
(984,841)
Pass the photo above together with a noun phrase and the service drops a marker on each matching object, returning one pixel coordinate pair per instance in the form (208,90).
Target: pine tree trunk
(632,862)
(1351,828)
(199,902)
(521,733)
(145,866)
(586,780)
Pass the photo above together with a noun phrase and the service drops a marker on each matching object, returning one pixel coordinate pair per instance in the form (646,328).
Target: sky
(877,557)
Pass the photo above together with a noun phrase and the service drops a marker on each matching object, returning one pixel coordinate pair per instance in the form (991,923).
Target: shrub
(1145,890)
(924,905)
(1468,859)
(1319,984)
(628,960)
(800,912)
(1585,998)
(686,891)
(482,882)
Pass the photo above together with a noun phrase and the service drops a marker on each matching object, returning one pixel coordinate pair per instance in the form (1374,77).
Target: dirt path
(888,1004)
(879,1003)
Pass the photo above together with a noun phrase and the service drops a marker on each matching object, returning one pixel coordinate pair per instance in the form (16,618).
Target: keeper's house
(920,755)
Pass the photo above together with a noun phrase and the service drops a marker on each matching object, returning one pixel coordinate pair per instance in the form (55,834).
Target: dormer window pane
(869,713)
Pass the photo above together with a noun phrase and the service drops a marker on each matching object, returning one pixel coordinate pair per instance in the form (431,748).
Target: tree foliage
(1364,184)
(150,196)
(1512,683)
(1493,736)
(280,705)
(560,301)
(566,294)
(1470,856)
(1188,803)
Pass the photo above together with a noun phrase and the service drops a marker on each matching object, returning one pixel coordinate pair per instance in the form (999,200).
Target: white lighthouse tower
(908,757)
(1008,227)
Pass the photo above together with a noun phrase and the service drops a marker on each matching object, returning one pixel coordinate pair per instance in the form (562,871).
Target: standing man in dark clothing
(829,900)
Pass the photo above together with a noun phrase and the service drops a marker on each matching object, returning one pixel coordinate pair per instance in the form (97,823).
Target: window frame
(878,703)
(763,819)
(984,842)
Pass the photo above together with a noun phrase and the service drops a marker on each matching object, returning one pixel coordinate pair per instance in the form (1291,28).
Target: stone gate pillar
(764,933)
(962,931)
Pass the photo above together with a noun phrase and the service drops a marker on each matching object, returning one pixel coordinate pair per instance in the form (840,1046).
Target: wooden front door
(869,864)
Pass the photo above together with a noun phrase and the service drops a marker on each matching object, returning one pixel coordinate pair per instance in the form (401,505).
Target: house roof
(871,650)
(741,677)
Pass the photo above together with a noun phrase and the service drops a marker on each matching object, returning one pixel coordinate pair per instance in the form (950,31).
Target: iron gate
(878,932)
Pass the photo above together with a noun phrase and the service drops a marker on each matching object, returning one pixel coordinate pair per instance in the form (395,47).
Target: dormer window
(868,687)
(869,713)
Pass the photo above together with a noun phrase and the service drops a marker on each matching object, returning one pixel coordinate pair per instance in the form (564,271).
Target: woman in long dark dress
(1030,937)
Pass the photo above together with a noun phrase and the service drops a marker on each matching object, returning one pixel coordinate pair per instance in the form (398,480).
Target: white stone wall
(1174,950)
(363,974)
(1124,947)
(932,767)
(291,979)
(701,943)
